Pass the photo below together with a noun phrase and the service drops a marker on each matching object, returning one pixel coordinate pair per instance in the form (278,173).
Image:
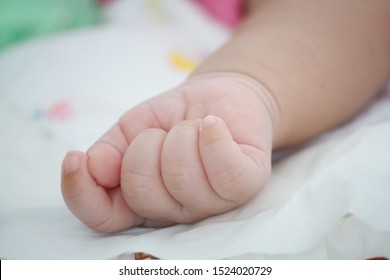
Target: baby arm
(321,60)
(292,70)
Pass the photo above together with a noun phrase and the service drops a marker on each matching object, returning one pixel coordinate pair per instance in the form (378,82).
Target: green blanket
(25,19)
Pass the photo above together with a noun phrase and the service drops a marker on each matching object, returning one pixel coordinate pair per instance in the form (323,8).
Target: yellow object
(182,62)
(157,10)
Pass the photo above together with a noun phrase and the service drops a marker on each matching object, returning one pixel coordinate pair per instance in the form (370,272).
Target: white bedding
(327,200)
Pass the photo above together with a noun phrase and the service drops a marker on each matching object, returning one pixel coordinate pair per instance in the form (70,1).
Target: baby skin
(288,73)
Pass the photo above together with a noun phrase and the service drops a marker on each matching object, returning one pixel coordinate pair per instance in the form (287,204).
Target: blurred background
(21,20)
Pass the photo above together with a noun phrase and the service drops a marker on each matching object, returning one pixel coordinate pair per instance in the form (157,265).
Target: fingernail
(209,121)
(71,164)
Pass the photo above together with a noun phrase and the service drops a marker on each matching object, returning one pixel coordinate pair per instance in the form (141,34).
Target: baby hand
(196,151)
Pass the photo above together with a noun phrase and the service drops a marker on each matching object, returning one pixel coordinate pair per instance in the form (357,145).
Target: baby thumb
(231,173)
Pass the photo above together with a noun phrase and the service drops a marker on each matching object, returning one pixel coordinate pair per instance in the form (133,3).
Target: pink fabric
(229,12)
(104,2)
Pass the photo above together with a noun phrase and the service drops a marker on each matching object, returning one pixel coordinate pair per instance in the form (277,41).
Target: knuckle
(136,185)
(175,176)
(227,181)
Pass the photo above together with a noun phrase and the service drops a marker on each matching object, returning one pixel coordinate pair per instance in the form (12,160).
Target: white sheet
(329,199)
